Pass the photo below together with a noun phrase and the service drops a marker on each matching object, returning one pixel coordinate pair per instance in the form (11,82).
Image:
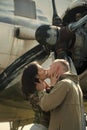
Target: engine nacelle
(25,33)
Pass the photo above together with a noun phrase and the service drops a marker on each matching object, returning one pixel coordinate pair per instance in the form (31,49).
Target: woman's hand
(54,78)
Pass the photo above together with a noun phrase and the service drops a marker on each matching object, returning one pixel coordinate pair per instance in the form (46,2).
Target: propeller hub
(47,35)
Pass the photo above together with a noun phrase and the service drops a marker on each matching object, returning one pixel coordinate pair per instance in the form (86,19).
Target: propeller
(60,39)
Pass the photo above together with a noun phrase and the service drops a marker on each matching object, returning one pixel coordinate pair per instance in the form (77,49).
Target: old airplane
(19,22)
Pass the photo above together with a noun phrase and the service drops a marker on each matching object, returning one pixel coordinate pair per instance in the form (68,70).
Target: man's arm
(49,101)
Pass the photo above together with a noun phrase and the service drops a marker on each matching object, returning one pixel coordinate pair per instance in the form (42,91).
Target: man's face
(55,67)
(52,69)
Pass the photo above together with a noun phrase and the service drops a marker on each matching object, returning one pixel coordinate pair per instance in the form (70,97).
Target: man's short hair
(64,63)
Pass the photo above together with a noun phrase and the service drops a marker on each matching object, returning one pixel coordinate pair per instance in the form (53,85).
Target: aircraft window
(25,8)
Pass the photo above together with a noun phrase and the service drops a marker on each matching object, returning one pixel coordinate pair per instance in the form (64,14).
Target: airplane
(19,22)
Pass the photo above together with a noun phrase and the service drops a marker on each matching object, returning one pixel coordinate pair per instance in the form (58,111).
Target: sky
(46,7)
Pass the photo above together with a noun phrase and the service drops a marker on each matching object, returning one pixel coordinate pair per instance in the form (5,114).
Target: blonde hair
(64,63)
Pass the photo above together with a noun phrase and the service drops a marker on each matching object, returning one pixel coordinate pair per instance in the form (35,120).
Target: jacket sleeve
(49,101)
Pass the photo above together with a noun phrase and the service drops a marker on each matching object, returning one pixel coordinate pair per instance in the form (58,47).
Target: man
(65,100)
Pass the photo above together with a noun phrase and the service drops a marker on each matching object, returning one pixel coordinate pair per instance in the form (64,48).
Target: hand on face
(54,78)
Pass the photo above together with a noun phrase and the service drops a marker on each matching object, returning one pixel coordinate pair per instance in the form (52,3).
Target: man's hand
(54,78)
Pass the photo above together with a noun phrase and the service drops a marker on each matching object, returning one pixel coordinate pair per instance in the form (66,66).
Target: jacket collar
(71,76)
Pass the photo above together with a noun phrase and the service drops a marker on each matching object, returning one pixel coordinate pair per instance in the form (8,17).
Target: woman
(32,75)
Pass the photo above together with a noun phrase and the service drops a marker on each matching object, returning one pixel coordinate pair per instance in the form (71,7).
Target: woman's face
(42,73)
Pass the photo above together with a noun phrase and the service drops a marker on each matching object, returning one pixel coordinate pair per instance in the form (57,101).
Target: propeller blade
(56,20)
(38,53)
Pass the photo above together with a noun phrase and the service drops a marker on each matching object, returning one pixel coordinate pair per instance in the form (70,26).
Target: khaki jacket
(65,103)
